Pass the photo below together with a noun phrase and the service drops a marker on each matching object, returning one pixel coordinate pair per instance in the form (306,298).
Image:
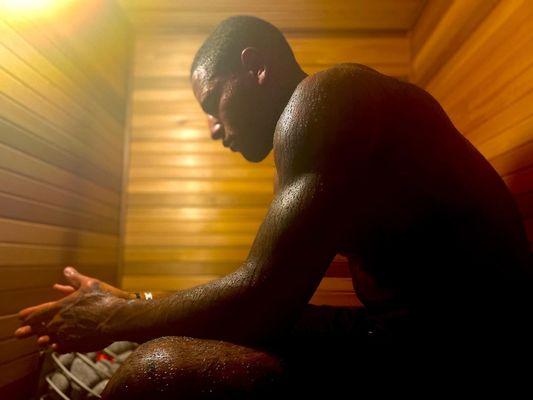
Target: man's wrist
(127,321)
(141,296)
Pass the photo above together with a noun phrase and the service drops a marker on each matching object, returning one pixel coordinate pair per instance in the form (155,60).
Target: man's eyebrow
(207,102)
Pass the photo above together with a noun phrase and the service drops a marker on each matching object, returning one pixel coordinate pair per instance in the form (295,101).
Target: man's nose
(215,127)
(217,131)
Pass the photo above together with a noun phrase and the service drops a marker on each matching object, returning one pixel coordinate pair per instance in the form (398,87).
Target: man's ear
(254,63)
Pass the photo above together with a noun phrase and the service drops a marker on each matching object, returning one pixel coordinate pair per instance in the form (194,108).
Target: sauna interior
(106,162)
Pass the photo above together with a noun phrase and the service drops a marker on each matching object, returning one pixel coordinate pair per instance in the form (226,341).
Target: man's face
(237,113)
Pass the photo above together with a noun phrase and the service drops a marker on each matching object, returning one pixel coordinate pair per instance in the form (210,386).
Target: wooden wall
(193,206)
(62,112)
(476,58)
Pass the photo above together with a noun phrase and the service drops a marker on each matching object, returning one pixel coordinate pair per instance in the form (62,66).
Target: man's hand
(76,321)
(78,281)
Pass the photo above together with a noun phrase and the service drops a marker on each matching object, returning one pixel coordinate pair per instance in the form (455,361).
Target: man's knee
(183,367)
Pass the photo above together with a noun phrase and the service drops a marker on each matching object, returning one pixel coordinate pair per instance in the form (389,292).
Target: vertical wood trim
(126,164)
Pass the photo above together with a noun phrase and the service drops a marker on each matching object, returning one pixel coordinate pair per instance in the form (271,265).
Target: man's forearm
(230,308)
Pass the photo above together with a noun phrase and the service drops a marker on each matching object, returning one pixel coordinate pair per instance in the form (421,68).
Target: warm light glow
(29,8)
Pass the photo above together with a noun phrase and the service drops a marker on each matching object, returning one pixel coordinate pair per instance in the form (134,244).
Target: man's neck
(288,85)
(292,83)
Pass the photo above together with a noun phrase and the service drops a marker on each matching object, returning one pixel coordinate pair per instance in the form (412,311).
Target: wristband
(137,295)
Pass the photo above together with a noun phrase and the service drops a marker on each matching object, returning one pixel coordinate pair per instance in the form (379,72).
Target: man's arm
(293,247)
(301,231)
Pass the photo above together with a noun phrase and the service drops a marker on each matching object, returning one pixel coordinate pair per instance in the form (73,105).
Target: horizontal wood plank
(44,141)
(223,200)
(300,15)
(14,231)
(201,239)
(63,97)
(494,30)
(198,186)
(15,207)
(194,160)
(520,182)
(335,291)
(427,21)
(27,74)
(8,325)
(29,277)
(18,162)
(455,27)
(135,226)
(68,133)
(180,134)
(258,174)
(505,82)
(12,301)
(178,268)
(195,214)
(11,349)
(32,189)
(46,56)
(187,254)
(514,160)
(501,121)
(164,282)
(18,368)
(22,254)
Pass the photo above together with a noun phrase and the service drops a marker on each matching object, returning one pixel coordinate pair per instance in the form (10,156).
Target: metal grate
(78,376)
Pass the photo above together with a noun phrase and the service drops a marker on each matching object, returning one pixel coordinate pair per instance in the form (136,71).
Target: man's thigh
(189,368)
(324,348)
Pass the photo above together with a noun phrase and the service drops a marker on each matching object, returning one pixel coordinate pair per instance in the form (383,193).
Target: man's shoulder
(321,109)
(346,75)
(325,95)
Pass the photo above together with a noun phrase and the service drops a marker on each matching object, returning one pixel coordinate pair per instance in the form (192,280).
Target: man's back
(430,229)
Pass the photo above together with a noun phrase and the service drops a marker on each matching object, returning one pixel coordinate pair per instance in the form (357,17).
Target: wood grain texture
(62,103)
(485,83)
(336,290)
(295,15)
(17,369)
(454,26)
(194,207)
(430,16)
(8,324)
(167,56)
(44,274)
(51,172)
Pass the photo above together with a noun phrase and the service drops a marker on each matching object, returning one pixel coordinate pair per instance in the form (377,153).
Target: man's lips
(229,143)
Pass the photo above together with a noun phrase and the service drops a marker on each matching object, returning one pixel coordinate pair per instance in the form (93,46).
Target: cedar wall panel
(62,115)
(476,59)
(289,16)
(193,206)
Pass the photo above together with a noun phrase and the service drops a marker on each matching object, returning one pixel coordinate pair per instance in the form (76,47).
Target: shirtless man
(369,167)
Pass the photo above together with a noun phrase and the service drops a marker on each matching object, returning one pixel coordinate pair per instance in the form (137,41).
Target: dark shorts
(330,346)
(339,347)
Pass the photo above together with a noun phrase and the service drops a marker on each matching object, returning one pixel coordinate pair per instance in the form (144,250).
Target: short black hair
(221,51)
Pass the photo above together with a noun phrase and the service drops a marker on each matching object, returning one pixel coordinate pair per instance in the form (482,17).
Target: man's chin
(254,157)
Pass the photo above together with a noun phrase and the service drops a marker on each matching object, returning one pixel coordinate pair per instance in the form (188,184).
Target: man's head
(243,76)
